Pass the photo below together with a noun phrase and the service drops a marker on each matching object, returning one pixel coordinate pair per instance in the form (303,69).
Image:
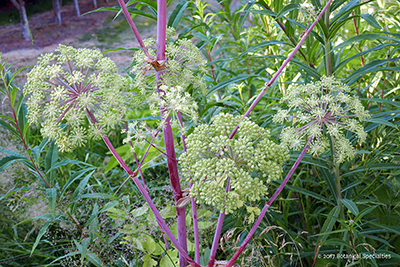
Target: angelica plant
(250,161)
(64,87)
(321,109)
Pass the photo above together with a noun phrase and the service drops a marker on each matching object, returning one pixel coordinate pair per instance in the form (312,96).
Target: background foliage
(94,214)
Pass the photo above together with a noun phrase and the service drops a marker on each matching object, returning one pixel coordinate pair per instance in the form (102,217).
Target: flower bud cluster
(249,159)
(325,107)
(65,86)
(177,72)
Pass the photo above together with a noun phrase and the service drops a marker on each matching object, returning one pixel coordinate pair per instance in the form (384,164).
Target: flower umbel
(319,109)
(250,160)
(65,86)
(182,59)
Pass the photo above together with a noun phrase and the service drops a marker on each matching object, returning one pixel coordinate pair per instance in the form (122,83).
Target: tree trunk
(76,7)
(20,5)
(57,11)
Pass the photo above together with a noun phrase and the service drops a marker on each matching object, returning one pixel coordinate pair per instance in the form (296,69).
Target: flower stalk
(168,135)
(284,64)
(268,204)
(143,191)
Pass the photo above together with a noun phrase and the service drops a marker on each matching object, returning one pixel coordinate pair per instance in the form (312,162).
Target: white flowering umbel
(249,159)
(63,87)
(182,59)
(320,109)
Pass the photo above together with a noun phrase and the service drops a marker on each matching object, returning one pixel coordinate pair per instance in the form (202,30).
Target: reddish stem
(268,204)
(145,194)
(218,232)
(168,135)
(193,202)
(276,75)
(356,28)
(133,27)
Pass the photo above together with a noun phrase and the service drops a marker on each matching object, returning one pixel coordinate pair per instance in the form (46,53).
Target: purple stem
(145,194)
(169,137)
(194,208)
(133,27)
(218,232)
(267,85)
(268,204)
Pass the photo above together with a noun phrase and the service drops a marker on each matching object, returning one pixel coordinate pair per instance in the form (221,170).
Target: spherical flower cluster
(319,109)
(173,100)
(182,59)
(64,88)
(248,161)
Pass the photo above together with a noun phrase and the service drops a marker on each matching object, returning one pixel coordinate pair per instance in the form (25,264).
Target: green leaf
(262,45)
(378,100)
(371,21)
(40,234)
(65,162)
(149,244)
(81,186)
(363,213)
(10,128)
(351,206)
(51,159)
(287,9)
(52,197)
(139,211)
(382,122)
(205,224)
(176,15)
(309,193)
(329,223)
(363,37)
(231,80)
(7,161)
(98,195)
(121,49)
(84,245)
(131,10)
(148,261)
(170,259)
(204,258)
(76,176)
(377,166)
(391,229)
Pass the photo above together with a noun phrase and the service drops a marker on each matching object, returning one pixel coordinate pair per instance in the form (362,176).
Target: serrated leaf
(148,261)
(170,259)
(149,244)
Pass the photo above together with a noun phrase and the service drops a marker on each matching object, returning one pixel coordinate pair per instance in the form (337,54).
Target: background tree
(76,7)
(20,5)
(57,10)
